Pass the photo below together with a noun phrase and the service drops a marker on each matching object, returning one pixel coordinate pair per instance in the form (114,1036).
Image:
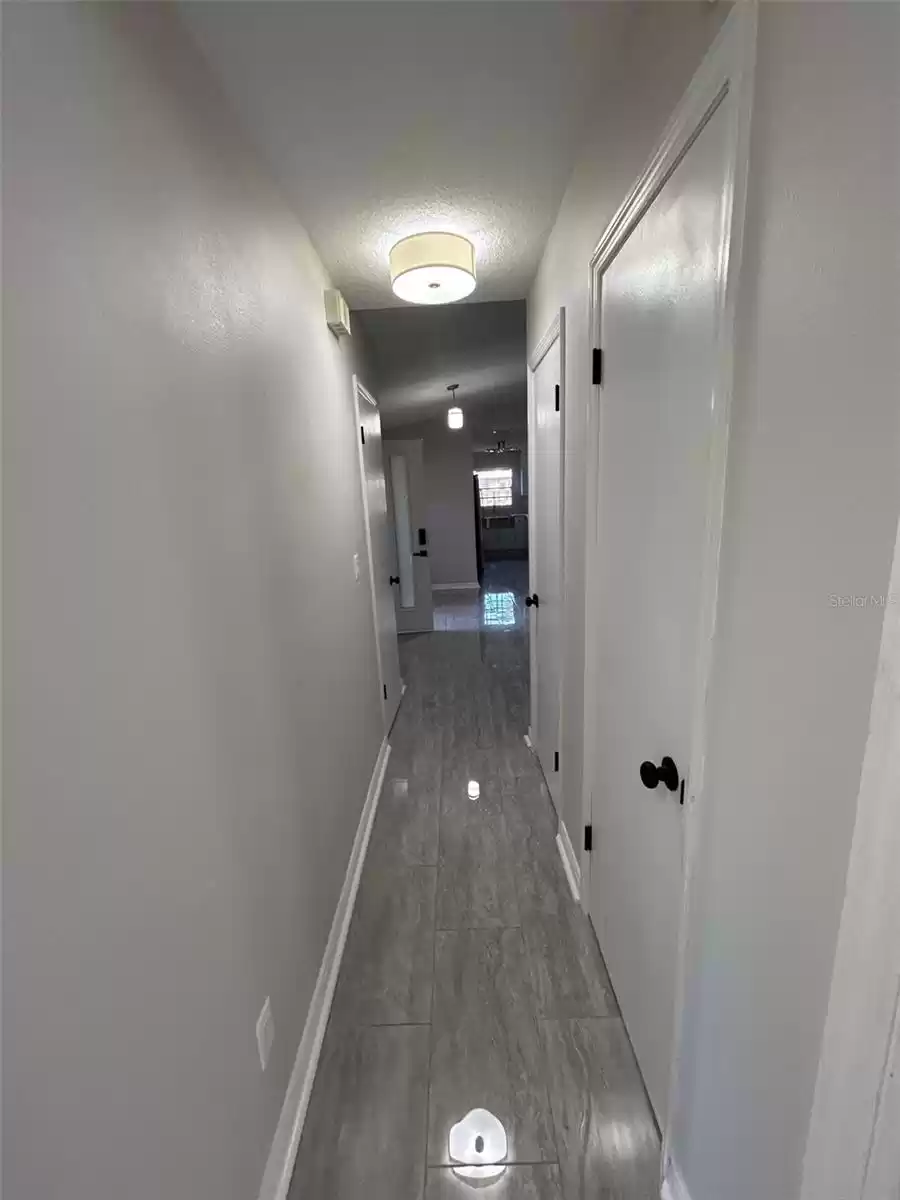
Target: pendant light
(433,268)
(454,415)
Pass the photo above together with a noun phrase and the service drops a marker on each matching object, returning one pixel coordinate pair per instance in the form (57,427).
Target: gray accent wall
(191,697)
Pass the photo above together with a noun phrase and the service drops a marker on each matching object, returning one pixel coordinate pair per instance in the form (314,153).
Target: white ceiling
(382,118)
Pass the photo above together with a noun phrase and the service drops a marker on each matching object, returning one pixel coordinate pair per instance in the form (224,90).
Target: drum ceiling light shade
(433,268)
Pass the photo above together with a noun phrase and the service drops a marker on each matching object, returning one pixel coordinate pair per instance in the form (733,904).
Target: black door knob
(532,601)
(666,773)
(393,579)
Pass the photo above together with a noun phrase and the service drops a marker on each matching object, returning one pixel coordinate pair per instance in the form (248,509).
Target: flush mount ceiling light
(433,268)
(454,415)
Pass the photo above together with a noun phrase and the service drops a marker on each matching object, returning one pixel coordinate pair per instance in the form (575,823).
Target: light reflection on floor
(499,608)
(477,1146)
(499,605)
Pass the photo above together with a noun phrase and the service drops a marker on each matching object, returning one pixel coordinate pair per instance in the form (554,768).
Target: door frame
(387,445)
(360,392)
(726,71)
(556,331)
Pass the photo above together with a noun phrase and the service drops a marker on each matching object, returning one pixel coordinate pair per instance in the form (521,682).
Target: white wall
(812,505)
(450,502)
(182,506)
(811,512)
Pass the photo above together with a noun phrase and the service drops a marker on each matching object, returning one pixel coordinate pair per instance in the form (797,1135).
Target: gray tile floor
(471,980)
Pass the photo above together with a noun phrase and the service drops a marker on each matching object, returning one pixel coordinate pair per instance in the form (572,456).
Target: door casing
(419,619)
(724,77)
(555,332)
(390,697)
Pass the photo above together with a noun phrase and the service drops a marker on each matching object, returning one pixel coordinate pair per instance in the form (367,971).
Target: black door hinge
(362,434)
(557,397)
(588,837)
(597,366)
(556,760)
(384,689)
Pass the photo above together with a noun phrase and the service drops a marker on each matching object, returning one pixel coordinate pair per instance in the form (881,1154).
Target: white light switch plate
(356,567)
(265,1033)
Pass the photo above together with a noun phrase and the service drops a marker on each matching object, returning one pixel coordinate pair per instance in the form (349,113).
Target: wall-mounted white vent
(337,314)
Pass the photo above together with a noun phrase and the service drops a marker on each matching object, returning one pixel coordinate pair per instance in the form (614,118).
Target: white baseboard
(570,862)
(673,1187)
(283,1153)
(456,587)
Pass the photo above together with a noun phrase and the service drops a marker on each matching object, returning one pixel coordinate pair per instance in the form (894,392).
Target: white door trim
(555,331)
(420,618)
(551,333)
(532,656)
(361,394)
(725,73)
(569,861)
(859,1046)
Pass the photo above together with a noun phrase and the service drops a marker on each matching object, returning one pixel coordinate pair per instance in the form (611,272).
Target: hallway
(471,979)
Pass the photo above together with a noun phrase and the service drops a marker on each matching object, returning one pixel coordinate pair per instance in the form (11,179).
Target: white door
(404,464)
(545,550)
(378,541)
(658,308)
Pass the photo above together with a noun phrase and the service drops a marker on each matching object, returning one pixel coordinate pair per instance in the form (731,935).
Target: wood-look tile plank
(364,1135)
(531,818)
(486,1050)
(469,785)
(515,1183)
(476,885)
(609,1147)
(515,761)
(406,824)
(567,969)
(541,883)
(387,972)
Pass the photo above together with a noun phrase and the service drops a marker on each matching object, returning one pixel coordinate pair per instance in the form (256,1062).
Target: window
(495,487)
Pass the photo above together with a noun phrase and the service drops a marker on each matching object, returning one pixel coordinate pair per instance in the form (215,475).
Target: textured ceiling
(416,352)
(382,118)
